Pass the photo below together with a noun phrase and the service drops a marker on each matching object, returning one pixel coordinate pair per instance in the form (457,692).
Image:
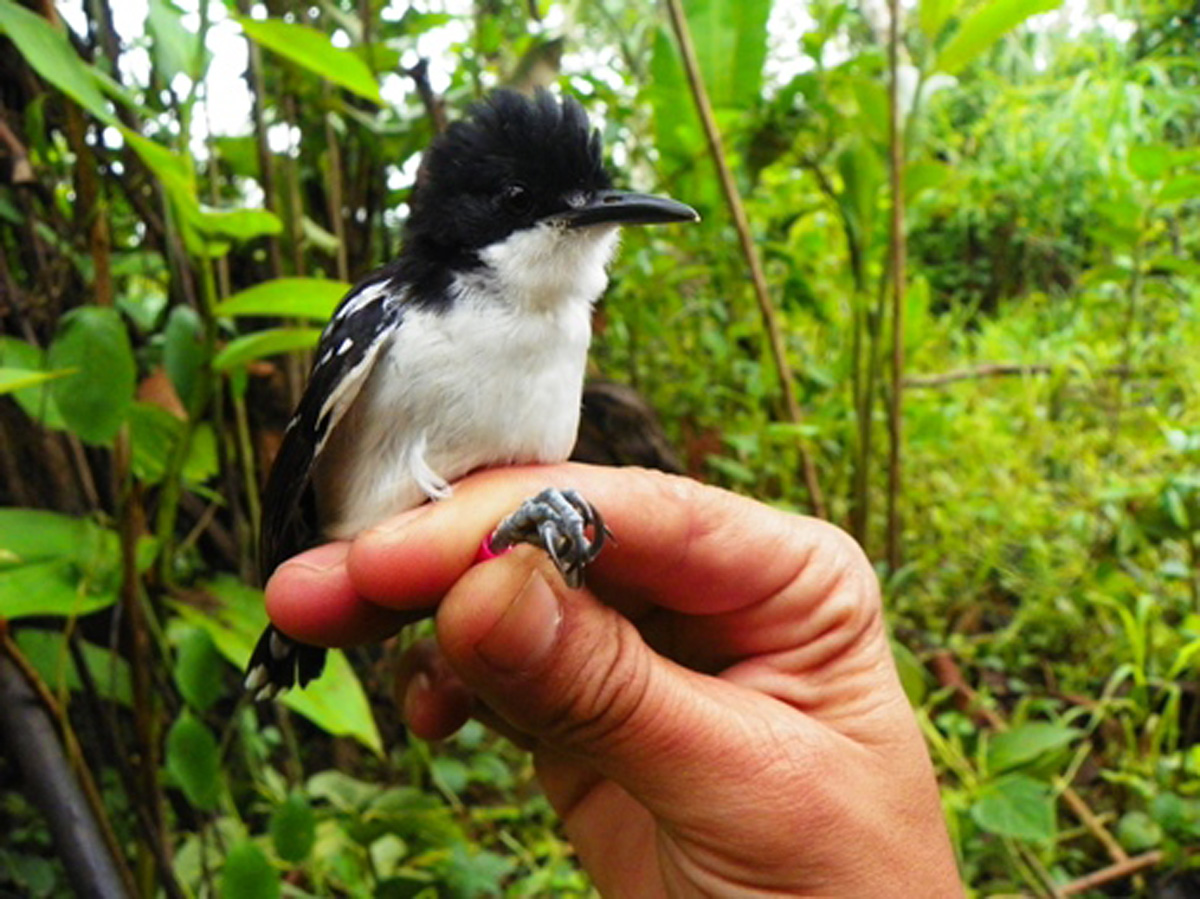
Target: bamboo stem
(757,277)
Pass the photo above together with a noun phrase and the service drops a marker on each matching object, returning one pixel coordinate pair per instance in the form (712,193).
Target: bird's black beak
(620,207)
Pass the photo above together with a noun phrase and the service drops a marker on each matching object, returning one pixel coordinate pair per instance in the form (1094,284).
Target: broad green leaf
(922,176)
(913,676)
(176,50)
(730,41)
(1016,806)
(1181,188)
(14,379)
(48,653)
(235,224)
(476,873)
(1178,816)
(1149,162)
(154,432)
(862,177)
(95,401)
(450,774)
(198,669)
(248,874)
(52,564)
(1024,743)
(311,298)
(50,54)
(313,50)
(730,37)
(173,171)
(234,617)
(293,828)
(260,344)
(984,27)
(193,761)
(933,16)
(1138,832)
(183,356)
(37,401)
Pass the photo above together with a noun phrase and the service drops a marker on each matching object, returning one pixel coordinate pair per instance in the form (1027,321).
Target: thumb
(574,675)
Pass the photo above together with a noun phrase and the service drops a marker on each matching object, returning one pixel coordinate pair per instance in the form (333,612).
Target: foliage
(161,284)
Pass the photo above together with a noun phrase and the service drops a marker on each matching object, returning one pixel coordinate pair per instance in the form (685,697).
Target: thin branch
(898,262)
(758,278)
(435,106)
(999,370)
(1117,871)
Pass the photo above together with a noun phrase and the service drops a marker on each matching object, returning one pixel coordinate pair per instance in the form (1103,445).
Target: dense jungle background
(946,293)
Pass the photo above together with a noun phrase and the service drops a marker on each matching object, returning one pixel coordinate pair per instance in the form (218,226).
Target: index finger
(678,544)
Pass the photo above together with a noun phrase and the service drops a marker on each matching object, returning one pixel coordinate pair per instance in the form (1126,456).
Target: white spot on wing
(345,345)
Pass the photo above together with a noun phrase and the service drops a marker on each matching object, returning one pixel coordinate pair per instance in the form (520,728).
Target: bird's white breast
(493,378)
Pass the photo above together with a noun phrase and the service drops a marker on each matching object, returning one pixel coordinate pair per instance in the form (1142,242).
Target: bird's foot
(556,521)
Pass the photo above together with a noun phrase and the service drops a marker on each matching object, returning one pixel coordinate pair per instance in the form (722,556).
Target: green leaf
(173,170)
(234,224)
(260,344)
(922,176)
(48,653)
(984,27)
(14,379)
(1138,832)
(183,356)
(476,873)
(176,50)
(913,676)
(52,564)
(311,298)
(730,42)
(1149,162)
(313,50)
(198,669)
(248,874)
(51,55)
(293,828)
(933,17)
(94,402)
(1178,816)
(37,401)
(1024,743)
(450,774)
(193,760)
(730,37)
(1016,806)
(1183,188)
(234,617)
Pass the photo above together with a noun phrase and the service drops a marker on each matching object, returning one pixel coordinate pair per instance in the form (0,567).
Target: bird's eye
(517,199)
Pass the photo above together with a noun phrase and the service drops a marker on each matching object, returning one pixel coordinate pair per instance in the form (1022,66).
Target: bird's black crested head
(512,161)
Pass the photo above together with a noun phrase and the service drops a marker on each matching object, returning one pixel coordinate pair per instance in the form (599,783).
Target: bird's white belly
(456,390)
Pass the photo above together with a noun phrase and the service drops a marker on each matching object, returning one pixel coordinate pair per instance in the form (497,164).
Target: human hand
(716,713)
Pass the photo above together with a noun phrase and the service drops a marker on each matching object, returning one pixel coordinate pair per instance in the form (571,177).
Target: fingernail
(322,559)
(527,630)
(419,684)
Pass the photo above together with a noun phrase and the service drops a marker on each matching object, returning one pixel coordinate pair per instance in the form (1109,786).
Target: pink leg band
(486,552)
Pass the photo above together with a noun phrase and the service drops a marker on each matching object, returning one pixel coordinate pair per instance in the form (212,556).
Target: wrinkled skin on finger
(716,713)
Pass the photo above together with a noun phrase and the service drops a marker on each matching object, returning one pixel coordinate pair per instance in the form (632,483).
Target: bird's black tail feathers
(279,662)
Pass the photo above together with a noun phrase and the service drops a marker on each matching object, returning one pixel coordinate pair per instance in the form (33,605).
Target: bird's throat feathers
(544,269)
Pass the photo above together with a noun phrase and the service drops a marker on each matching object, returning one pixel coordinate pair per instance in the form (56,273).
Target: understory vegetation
(1011,428)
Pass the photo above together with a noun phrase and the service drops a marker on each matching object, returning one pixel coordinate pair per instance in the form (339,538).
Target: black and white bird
(468,351)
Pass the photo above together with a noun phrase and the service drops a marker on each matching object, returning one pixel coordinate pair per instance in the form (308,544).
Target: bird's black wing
(360,329)
(350,344)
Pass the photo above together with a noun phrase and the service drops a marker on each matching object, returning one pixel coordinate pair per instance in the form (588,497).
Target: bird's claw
(556,521)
